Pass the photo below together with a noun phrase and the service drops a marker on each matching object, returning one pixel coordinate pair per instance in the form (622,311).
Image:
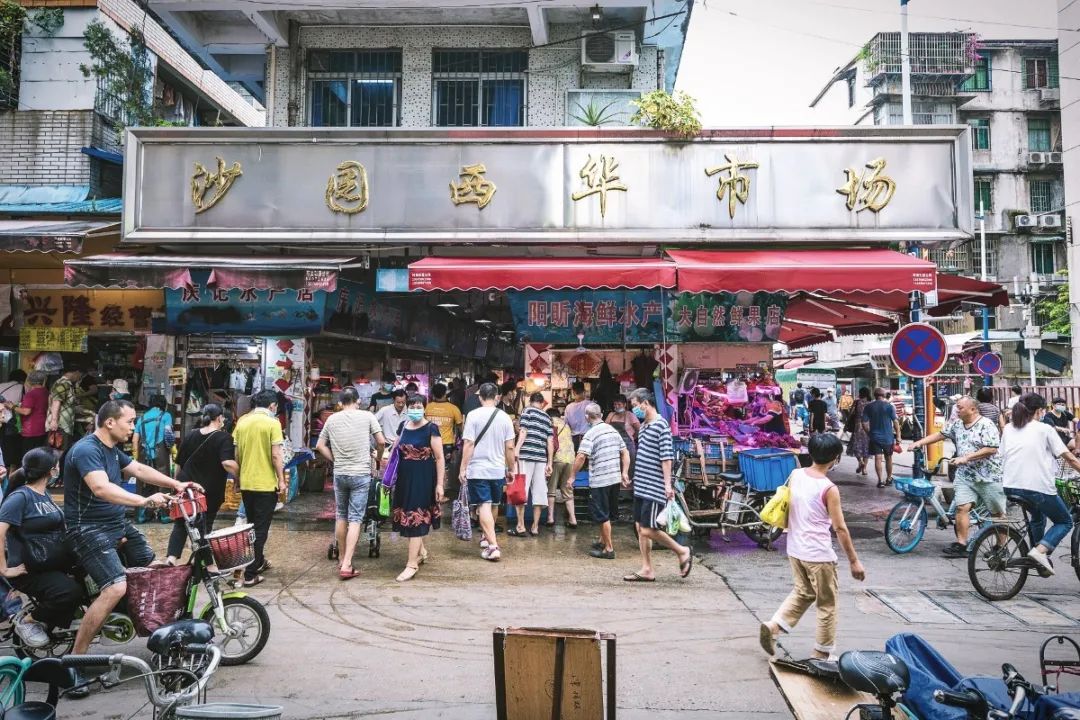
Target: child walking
(813,509)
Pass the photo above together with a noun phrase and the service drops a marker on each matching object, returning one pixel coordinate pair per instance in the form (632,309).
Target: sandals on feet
(252,582)
(348,574)
(637,577)
(686,567)
(408,573)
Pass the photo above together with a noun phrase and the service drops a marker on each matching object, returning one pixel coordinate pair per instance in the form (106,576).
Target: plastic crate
(766,469)
(916,487)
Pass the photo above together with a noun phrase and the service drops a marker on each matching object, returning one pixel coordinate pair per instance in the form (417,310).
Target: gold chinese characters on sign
(217,183)
(734,183)
(473,188)
(600,178)
(869,190)
(347,189)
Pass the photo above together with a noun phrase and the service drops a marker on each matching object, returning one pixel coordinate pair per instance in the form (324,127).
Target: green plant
(7,84)
(48,19)
(12,18)
(673,113)
(1053,310)
(123,72)
(594,116)
(161,122)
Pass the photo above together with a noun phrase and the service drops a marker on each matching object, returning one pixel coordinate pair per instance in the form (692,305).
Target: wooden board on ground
(812,698)
(529,666)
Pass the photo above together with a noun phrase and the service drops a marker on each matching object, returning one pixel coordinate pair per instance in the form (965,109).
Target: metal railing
(931,54)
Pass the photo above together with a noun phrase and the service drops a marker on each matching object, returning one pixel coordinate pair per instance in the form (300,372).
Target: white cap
(120,385)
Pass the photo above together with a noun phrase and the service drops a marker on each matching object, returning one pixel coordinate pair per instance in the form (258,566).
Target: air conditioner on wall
(1026,221)
(1047,95)
(1037,158)
(1053,158)
(1050,221)
(609,52)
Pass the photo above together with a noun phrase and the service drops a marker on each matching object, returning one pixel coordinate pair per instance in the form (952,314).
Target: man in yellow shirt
(260,454)
(448,418)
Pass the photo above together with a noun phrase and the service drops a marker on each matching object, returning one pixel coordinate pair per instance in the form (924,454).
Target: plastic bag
(673,519)
(384,501)
(460,514)
(775,512)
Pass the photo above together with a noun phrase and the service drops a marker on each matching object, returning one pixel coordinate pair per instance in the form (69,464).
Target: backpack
(798,396)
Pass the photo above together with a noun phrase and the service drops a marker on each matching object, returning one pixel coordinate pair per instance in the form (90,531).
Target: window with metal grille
(932,113)
(984,194)
(473,88)
(955,261)
(1041,194)
(1041,72)
(980,133)
(980,81)
(354,88)
(991,258)
(1043,261)
(1039,134)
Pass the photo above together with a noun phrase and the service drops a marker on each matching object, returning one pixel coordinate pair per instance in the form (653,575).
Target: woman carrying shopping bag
(418,487)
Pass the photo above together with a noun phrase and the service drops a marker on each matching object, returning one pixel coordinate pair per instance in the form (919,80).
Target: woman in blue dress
(419,487)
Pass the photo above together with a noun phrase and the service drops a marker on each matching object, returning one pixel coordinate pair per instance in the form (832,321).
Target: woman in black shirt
(206,456)
(35,560)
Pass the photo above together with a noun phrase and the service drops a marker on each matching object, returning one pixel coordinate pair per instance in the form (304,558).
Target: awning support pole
(918,388)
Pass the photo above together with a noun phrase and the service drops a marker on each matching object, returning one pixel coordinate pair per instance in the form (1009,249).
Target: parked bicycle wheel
(764,535)
(997,569)
(905,526)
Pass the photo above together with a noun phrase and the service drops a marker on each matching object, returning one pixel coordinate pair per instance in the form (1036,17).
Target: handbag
(459,517)
(389,478)
(43,553)
(515,491)
(775,512)
(56,440)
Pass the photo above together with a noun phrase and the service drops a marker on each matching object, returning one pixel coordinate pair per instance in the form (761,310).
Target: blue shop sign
(202,309)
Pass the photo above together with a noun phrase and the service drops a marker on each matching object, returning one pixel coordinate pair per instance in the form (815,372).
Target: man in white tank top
(814,509)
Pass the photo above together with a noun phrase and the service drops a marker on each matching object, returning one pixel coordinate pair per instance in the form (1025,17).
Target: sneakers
(32,634)
(483,543)
(1034,554)
(955,550)
(491,553)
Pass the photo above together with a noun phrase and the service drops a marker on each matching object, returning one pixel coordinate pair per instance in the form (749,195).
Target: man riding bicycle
(97,530)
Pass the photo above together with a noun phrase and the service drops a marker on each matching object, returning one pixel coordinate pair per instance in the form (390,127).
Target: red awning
(441,273)
(844,318)
(174,271)
(953,291)
(797,335)
(816,271)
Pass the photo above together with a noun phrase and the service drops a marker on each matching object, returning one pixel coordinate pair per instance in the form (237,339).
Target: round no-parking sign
(919,350)
(988,363)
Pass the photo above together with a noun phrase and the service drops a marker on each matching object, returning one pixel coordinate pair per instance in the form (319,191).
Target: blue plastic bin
(766,469)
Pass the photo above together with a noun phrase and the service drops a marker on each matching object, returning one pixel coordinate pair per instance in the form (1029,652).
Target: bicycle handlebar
(969,699)
(143,670)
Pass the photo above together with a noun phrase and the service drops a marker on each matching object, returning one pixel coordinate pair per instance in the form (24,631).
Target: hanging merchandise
(605,390)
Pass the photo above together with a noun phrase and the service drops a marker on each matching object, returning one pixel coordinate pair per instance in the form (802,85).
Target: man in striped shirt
(652,486)
(609,463)
(535,451)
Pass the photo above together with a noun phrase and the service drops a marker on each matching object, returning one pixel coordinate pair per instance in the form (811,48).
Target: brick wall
(41,147)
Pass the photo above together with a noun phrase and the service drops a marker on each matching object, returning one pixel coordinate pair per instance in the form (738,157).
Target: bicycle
(906,523)
(998,565)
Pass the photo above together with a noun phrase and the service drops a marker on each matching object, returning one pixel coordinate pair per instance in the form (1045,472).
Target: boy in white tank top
(814,510)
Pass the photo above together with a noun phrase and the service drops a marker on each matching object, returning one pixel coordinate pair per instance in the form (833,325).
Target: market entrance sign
(525,186)
(614,317)
(919,350)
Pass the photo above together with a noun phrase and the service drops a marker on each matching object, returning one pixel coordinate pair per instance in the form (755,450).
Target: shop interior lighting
(253,349)
(597,14)
(448,305)
(484,321)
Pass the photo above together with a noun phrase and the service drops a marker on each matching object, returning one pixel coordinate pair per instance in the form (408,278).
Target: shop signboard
(614,317)
(53,339)
(523,186)
(201,309)
(96,311)
(353,309)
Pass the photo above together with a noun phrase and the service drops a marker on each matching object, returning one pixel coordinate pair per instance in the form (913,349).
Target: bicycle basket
(916,487)
(1069,490)
(234,547)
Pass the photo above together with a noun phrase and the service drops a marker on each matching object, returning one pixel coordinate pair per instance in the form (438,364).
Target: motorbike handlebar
(157,696)
(79,661)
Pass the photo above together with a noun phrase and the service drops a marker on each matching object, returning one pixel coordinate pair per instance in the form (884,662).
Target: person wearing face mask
(385,395)
(978,468)
(1061,420)
(814,512)
(208,454)
(625,423)
(418,491)
(391,416)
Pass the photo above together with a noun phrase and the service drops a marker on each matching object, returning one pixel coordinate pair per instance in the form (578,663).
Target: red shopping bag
(515,491)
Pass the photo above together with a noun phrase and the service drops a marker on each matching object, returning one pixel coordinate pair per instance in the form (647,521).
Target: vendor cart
(714,497)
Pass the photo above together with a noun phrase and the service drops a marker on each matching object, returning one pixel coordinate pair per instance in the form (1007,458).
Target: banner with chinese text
(97,311)
(202,309)
(607,317)
(53,339)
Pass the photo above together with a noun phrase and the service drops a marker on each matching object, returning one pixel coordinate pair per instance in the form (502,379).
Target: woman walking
(561,480)
(1030,450)
(419,487)
(625,424)
(34,407)
(859,445)
(206,456)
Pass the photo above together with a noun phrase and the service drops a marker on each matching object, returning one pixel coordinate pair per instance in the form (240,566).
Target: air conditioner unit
(1053,158)
(610,52)
(1026,221)
(1050,221)
(1048,95)
(1037,158)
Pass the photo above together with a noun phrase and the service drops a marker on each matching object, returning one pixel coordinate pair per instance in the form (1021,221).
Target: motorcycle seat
(182,632)
(31,710)
(731,477)
(877,673)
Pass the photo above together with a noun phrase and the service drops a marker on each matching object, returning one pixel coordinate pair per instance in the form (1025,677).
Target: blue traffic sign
(988,363)
(919,350)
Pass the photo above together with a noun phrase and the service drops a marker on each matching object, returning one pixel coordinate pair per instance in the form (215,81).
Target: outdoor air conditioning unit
(1053,158)
(1037,158)
(1050,221)
(610,51)
(1049,95)
(1026,221)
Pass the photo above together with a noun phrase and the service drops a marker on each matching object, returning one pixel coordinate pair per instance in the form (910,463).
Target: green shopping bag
(384,501)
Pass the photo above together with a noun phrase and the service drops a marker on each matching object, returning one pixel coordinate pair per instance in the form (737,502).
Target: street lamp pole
(905,63)
(987,380)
